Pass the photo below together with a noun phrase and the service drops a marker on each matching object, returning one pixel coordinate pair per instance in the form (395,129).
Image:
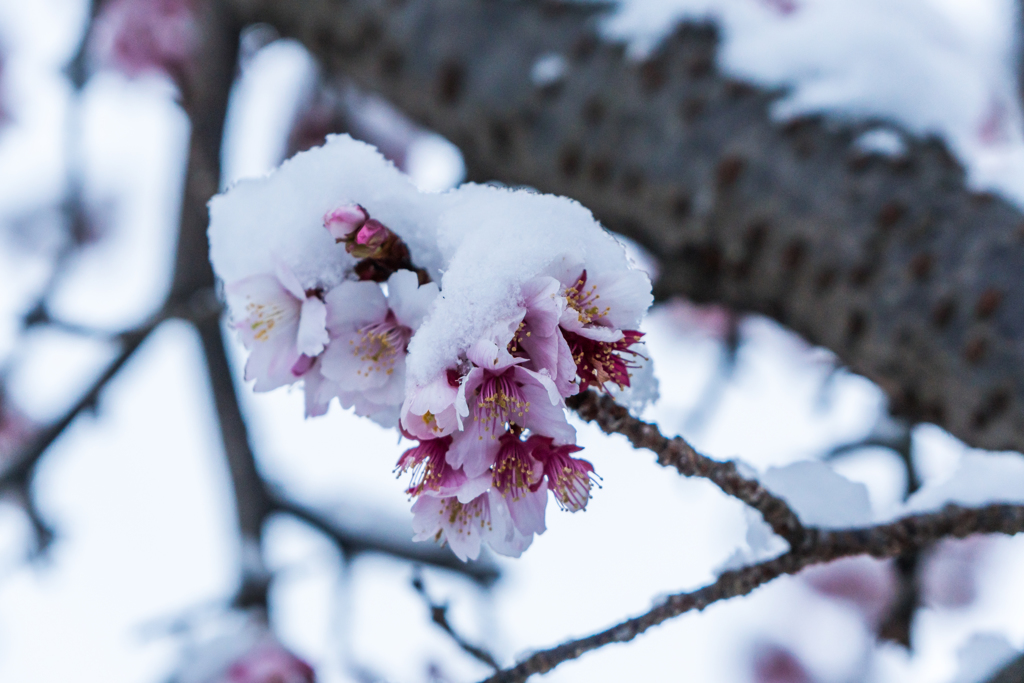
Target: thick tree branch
(614,419)
(896,265)
(886,540)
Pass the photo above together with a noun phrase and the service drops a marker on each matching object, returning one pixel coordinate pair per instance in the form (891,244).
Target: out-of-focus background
(119,552)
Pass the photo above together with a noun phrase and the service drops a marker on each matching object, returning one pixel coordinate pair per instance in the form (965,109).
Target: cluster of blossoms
(477,369)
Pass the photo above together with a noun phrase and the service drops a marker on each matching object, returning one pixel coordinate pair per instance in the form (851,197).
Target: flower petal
(312,333)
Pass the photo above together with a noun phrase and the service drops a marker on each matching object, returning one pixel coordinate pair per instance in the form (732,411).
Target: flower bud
(344,221)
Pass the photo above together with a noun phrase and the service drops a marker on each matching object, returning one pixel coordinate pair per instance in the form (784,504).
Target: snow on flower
(464,318)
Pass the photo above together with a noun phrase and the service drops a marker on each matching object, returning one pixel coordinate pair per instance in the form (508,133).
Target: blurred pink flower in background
(246,653)
(777,664)
(138,36)
(949,575)
(15,430)
(867,584)
(268,662)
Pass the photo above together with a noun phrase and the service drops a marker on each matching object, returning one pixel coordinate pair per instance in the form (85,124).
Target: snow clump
(463,319)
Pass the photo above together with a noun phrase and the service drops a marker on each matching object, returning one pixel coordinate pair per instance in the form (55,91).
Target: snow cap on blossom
(465,318)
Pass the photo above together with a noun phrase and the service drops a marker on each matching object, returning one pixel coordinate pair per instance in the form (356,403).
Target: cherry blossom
(429,411)
(466,525)
(499,391)
(595,323)
(538,336)
(282,325)
(519,478)
(569,479)
(369,333)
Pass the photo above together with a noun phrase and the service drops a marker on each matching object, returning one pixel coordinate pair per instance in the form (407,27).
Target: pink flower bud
(345,220)
(372,234)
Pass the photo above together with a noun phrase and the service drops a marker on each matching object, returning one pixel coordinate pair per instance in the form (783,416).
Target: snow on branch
(894,263)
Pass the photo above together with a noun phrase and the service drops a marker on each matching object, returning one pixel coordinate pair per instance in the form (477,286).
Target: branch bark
(896,265)
(887,540)
(614,419)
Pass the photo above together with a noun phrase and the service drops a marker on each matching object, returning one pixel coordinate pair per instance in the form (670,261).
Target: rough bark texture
(912,279)
(886,540)
(678,453)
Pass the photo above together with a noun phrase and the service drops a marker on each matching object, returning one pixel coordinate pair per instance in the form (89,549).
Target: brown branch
(614,419)
(896,265)
(885,540)
(397,544)
(24,461)
(439,615)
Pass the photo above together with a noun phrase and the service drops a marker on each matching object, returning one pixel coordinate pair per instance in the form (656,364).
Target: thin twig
(614,419)
(23,462)
(353,543)
(439,615)
(884,540)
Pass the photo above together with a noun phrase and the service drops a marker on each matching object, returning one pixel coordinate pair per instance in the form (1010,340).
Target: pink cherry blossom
(569,479)
(369,334)
(600,307)
(454,508)
(466,525)
(497,392)
(284,326)
(345,220)
(596,325)
(430,471)
(429,411)
(519,478)
(538,336)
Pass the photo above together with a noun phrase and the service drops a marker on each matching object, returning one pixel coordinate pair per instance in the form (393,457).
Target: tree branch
(885,540)
(614,419)
(896,265)
(439,615)
(23,463)
(353,542)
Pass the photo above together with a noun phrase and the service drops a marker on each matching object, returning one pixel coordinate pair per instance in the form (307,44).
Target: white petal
(312,332)
(627,295)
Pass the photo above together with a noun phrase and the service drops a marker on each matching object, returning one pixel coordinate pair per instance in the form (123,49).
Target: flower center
(264,318)
(583,300)
(501,400)
(380,344)
(513,471)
